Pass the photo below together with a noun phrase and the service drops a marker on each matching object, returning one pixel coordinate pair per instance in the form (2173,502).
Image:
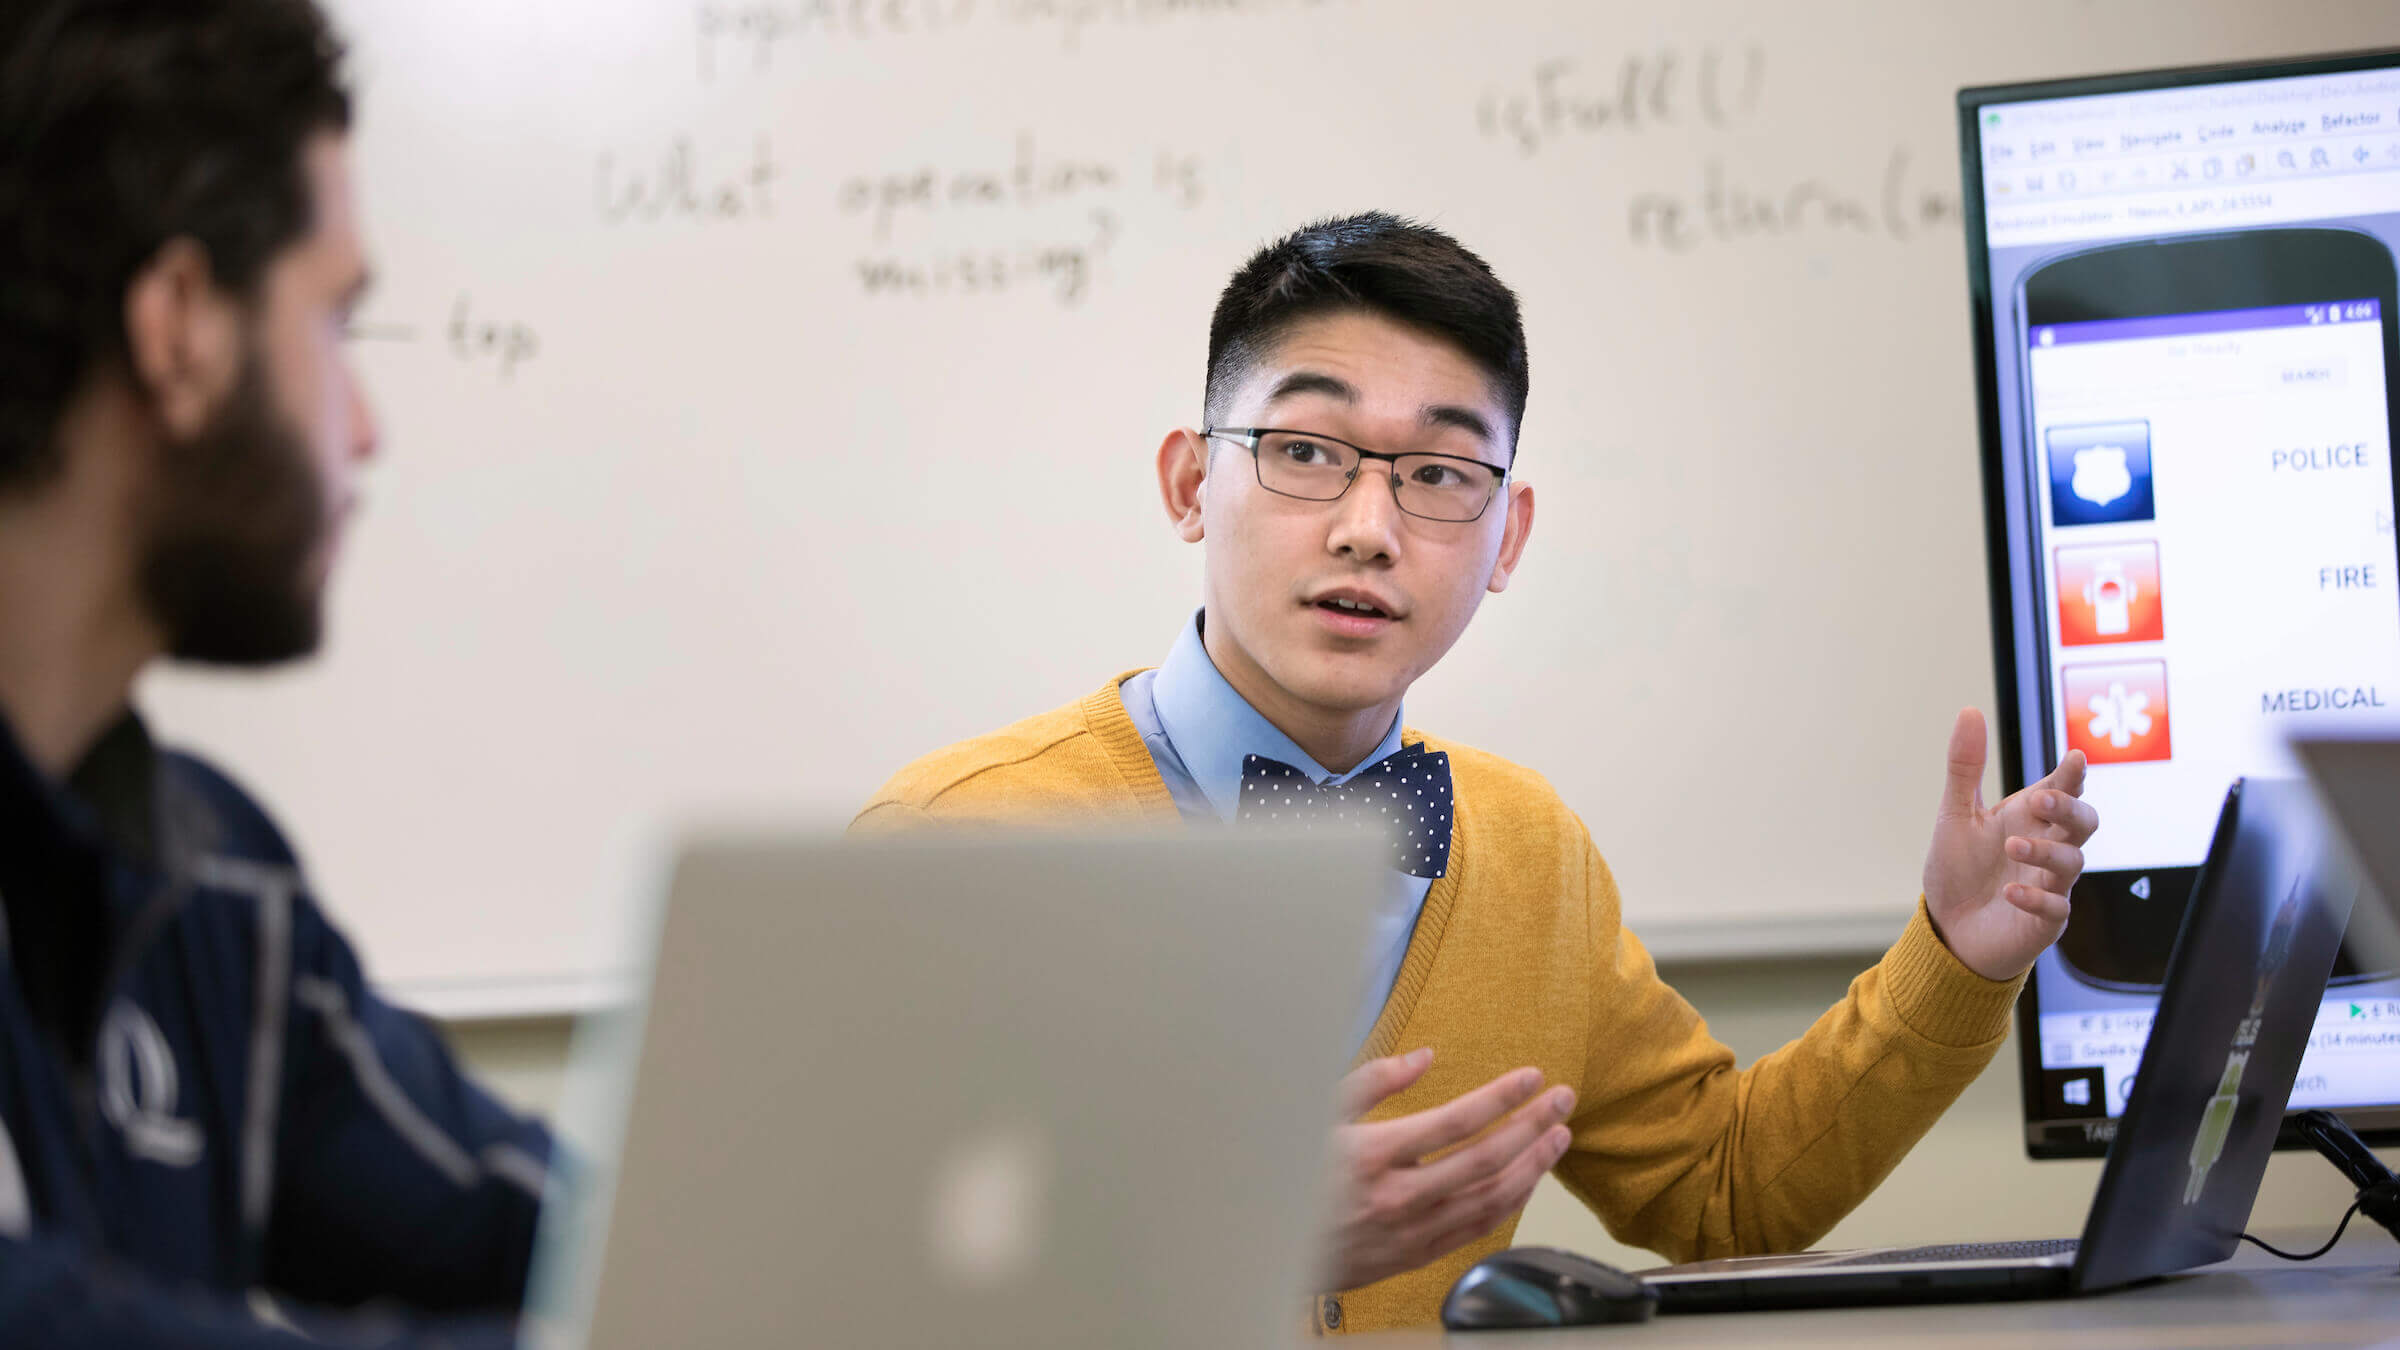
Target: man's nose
(1366,521)
(366,437)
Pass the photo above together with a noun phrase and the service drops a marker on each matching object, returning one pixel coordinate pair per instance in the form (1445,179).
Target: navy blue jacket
(212,1133)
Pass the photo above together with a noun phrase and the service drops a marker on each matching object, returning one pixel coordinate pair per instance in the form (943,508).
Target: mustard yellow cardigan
(1519,958)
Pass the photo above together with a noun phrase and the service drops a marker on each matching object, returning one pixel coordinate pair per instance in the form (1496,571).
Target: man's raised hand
(1996,878)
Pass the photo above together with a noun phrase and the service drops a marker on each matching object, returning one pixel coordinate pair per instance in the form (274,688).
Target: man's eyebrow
(1333,386)
(1313,382)
(1465,419)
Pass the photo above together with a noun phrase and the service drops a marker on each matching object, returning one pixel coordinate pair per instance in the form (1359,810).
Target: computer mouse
(1544,1287)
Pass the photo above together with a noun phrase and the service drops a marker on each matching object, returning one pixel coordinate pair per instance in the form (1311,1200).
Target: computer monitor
(2187,360)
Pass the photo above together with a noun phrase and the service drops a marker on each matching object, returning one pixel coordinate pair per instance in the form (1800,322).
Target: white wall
(1968,1180)
(682,519)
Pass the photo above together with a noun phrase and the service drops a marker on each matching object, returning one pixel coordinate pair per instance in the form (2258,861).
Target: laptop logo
(990,1206)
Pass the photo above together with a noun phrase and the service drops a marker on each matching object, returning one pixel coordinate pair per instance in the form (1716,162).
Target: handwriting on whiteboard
(1029,180)
(1025,219)
(679,183)
(1063,266)
(472,338)
(730,36)
(1669,88)
(1724,209)
(502,345)
(1703,95)
(1032,220)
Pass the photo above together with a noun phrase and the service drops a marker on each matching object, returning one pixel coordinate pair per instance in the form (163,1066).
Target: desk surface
(2351,1297)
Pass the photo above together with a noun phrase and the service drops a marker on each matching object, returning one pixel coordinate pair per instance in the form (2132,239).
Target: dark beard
(232,521)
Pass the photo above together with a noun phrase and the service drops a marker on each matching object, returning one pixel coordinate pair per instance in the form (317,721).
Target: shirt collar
(106,801)
(1213,728)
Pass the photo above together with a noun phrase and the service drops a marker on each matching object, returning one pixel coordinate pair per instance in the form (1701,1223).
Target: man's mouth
(1345,605)
(1353,614)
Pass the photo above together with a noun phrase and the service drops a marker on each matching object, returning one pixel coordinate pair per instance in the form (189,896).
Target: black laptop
(2241,996)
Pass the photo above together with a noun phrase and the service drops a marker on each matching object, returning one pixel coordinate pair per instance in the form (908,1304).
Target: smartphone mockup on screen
(2187,353)
(2205,459)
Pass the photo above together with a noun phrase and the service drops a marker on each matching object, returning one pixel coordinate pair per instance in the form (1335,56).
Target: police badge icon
(2100,474)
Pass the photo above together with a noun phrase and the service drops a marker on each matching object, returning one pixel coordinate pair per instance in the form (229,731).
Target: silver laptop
(1020,1091)
(2243,986)
(2359,781)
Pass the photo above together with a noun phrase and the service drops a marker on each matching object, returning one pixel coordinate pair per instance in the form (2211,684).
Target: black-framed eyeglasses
(1317,468)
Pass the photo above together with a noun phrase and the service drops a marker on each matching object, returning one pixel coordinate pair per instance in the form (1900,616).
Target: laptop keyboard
(1961,1251)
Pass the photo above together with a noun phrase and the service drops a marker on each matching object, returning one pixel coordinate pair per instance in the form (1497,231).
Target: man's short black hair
(1380,264)
(124,125)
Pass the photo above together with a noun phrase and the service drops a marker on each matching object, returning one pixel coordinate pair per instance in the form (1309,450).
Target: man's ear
(1182,482)
(183,334)
(1513,535)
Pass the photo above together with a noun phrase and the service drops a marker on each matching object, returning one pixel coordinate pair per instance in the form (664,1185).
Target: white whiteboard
(769,393)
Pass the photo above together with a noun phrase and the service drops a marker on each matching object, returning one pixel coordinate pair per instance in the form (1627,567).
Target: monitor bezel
(2046,1136)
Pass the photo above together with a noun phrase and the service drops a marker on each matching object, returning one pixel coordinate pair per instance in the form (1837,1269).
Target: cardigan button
(1333,1313)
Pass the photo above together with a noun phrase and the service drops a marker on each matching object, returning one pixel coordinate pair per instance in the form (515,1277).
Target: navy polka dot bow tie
(1406,794)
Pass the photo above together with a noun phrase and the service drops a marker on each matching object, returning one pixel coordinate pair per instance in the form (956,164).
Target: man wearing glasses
(1355,487)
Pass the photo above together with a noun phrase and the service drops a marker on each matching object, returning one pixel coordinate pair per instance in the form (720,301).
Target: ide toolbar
(2126,143)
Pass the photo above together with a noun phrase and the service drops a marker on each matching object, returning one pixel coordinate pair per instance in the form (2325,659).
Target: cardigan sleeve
(1677,1151)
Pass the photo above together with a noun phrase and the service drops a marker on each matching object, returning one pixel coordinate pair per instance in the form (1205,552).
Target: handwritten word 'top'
(503,344)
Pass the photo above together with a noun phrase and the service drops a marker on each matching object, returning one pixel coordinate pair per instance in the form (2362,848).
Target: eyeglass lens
(1433,486)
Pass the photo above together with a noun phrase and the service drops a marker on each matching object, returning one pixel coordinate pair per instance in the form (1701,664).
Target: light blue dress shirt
(1199,730)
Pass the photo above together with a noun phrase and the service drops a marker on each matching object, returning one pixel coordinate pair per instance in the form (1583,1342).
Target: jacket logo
(138,1089)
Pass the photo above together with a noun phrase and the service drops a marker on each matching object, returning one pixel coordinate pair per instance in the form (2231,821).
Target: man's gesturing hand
(1996,878)
(1399,1205)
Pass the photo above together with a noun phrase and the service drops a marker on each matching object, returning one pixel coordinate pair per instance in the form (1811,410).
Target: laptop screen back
(2241,998)
(990,1090)
(2359,781)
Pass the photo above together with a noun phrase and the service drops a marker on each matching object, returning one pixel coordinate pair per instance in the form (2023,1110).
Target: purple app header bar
(2331,314)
